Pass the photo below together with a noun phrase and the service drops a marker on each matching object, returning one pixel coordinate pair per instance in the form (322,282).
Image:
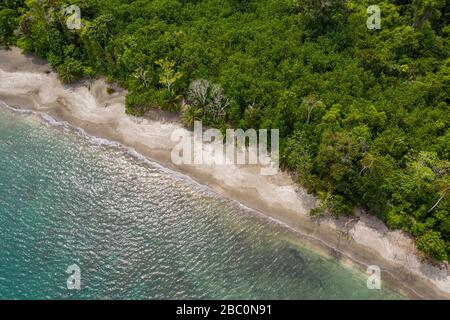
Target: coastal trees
(209,98)
(9,20)
(425,10)
(432,244)
(34,27)
(363,114)
(70,70)
(168,74)
(189,115)
(443,187)
(7,25)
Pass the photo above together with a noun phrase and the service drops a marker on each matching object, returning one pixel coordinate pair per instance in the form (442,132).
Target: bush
(7,26)
(189,115)
(432,244)
(70,70)
(138,104)
(168,100)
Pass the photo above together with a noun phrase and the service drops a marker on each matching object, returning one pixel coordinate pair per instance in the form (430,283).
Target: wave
(97,141)
(142,159)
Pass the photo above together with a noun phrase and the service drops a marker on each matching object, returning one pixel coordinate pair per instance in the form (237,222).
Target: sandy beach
(28,83)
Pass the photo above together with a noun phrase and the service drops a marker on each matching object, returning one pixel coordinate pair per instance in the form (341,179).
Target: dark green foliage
(139,103)
(9,20)
(70,70)
(432,244)
(363,114)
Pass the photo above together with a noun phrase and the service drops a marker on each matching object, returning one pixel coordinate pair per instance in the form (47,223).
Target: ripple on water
(138,231)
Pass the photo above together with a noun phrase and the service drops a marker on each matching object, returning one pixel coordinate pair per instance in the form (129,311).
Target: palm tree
(443,186)
(65,73)
(191,114)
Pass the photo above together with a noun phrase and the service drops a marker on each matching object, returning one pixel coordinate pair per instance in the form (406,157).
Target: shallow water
(139,231)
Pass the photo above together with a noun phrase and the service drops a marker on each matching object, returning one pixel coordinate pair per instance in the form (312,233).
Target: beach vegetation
(364,115)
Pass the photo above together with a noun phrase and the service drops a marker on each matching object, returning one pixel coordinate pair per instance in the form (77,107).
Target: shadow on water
(297,265)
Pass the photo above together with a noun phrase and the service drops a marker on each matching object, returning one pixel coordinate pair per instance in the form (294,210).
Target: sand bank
(29,83)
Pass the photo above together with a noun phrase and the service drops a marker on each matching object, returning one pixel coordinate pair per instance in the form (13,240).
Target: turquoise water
(139,231)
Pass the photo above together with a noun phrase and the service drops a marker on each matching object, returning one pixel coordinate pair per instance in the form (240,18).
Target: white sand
(27,83)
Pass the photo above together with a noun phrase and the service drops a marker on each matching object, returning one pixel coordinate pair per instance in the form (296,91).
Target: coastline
(29,83)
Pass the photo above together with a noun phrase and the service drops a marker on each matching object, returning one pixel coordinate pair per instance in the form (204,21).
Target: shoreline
(29,83)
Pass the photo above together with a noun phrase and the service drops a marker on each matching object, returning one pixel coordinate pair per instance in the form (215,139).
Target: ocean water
(139,231)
